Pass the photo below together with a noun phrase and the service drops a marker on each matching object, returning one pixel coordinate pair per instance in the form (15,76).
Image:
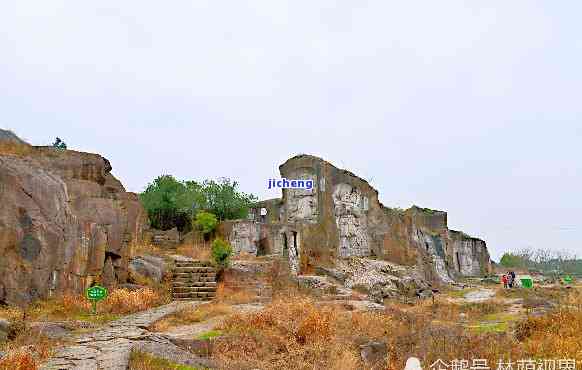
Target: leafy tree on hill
(173,203)
(165,201)
(225,201)
(511,260)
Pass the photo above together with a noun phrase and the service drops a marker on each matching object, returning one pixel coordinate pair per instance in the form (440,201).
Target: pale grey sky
(473,109)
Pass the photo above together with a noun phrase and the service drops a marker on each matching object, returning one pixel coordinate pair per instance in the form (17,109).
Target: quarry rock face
(341,217)
(65,222)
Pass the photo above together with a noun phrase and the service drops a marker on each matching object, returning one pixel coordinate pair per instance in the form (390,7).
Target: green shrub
(221,252)
(205,222)
(59,144)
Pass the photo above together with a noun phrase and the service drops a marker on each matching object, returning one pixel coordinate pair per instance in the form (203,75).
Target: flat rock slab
(110,347)
(480,295)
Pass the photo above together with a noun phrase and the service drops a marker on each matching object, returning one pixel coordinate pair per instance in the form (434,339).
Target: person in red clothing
(504,281)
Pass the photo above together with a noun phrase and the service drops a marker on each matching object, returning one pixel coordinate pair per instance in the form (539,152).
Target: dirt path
(194,330)
(111,346)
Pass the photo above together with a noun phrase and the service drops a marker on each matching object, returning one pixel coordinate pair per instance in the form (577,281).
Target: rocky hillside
(65,221)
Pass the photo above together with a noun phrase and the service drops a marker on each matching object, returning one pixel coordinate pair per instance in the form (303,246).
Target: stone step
(338,298)
(195,279)
(194,295)
(195,269)
(193,264)
(193,283)
(195,275)
(254,286)
(193,299)
(193,289)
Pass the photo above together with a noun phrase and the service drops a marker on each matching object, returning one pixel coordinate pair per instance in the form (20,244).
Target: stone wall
(65,222)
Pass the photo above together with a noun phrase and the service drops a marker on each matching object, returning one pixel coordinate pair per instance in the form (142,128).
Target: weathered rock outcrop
(65,221)
(352,222)
(341,217)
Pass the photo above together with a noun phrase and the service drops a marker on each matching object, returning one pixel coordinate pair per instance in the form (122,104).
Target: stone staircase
(193,280)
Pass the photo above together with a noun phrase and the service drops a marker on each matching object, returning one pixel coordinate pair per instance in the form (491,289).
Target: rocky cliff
(341,217)
(65,221)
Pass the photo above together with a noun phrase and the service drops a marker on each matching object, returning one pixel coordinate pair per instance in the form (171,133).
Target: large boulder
(152,267)
(374,354)
(64,222)
(4,330)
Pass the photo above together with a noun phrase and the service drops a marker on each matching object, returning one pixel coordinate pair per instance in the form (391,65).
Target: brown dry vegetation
(296,333)
(195,250)
(147,248)
(228,295)
(14,148)
(192,315)
(26,348)
(76,307)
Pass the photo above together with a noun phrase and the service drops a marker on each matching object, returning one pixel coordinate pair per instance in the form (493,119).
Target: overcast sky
(473,109)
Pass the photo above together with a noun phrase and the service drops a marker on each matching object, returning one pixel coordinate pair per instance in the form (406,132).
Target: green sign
(95,294)
(568,279)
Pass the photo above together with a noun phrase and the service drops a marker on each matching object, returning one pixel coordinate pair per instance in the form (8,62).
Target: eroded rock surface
(301,204)
(64,222)
(341,217)
(351,221)
(244,237)
(148,266)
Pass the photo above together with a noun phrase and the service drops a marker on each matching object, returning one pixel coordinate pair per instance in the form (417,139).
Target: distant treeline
(173,203)
(543,260)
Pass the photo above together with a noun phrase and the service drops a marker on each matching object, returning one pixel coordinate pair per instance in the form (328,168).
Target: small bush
(206,222)
(221,252)
(59,144)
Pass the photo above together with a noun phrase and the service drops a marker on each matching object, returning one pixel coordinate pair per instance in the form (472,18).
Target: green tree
(512,260)
(167,203)
(221,252)
(170,202)
(225,201)
(205,222)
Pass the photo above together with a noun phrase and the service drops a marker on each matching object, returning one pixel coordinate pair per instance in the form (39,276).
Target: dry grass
(196,250)
(144,361)
(228,295)
(147,248)
(547,293)
(191,316)
(286,335)
(245,256)
(557,334)
(296,333)
(26,350)
(77,307)
(15,148)
(10,313)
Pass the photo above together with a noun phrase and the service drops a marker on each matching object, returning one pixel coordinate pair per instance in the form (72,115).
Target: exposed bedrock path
(480,295)
(110,347)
